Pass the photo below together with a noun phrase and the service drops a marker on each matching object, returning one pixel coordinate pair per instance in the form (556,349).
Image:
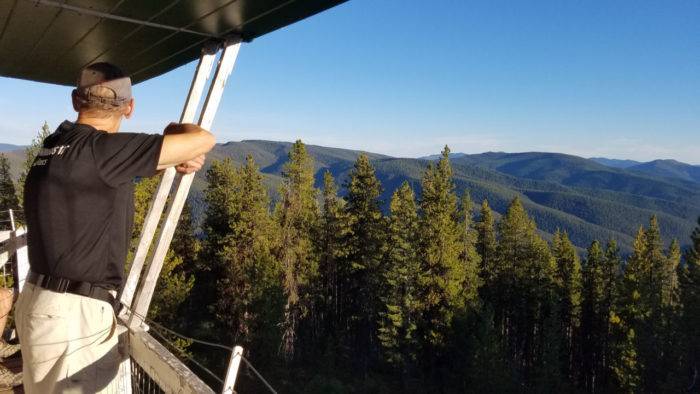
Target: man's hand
(190,166)
(181,128)
(184,146)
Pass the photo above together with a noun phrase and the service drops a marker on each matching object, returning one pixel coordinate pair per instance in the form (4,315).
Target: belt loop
(63,285)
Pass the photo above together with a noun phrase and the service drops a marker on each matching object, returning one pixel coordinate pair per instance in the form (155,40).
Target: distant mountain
(587,199)
(615,162)
(659,168)
(10,147)
(16,158)
(438,156)
(669,169)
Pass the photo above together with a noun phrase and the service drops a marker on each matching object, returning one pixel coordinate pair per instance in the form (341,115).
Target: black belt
(63,285)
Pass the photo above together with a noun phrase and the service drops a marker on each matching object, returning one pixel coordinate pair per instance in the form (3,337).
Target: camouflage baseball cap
(97,76)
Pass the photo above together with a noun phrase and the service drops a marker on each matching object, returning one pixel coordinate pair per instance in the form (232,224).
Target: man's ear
(74,99)
(129,108)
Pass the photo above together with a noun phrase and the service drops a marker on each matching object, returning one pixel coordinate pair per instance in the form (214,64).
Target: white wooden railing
(150,366)
(13,245)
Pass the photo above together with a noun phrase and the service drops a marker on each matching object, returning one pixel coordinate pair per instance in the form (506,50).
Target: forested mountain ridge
(9,147)
(588,199)
(670,169)
(585,198)
(617,163)
(662,168)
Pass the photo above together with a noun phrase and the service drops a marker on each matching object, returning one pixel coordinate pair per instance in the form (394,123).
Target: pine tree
(30,154)
(590,331)
(469,256)
(669,287)
(599,297)
(239,276)
(440,232)
(359,271)
(525,299)
(297,215)
(443,278)
(610,283)
(332,251)
(689,321)
(669,333)
(625,364)
(650,285)
(486,246)
(568,278)
(401,302)
(8,196)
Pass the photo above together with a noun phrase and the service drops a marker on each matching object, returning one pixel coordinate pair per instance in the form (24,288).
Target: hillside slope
(669,169)
(585,198)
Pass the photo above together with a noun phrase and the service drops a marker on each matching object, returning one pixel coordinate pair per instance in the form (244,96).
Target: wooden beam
(155,210)
(144,294)
(171,375)
(11,242)
(232,371)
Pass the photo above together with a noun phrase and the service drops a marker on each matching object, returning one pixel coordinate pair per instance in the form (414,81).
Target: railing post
(232,371)
(12,220)
(22,257)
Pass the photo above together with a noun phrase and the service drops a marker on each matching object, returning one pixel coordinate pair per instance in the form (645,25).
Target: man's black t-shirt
(78,201)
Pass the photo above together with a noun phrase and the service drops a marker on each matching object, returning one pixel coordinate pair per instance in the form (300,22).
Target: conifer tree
(599,298)
(241,280)
(359,272)
(441,246)
(297,215)
(635,283)
(30,154)
(525,299)
(331,246)
(669,288)
(568,278)
(625,364)
(469,256)
(8,195)
(689,292)
(655,263)
(443,279)
(486,246)
(401,301)
(591,327)
(650,284)
(606,312)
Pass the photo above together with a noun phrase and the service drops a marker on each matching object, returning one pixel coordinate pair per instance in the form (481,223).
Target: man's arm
(184,143)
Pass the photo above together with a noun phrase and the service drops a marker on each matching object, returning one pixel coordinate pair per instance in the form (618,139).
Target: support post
(12,220)
(144,294)
(22,257)
(155,210)
(232,371)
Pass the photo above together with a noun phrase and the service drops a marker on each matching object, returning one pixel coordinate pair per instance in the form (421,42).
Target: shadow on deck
(14,364)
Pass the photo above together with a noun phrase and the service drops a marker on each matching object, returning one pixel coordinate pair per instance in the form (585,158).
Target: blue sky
(592,78)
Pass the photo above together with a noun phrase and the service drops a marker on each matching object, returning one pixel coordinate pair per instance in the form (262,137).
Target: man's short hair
(102,86)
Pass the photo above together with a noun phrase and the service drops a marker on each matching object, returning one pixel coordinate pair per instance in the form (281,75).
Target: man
(78,202)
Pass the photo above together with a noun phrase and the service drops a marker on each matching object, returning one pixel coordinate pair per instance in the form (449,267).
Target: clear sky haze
(619,79)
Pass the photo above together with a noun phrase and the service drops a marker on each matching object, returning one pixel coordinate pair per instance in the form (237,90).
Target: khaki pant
(69,342)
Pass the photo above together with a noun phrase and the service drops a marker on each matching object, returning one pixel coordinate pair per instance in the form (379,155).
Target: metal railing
(141,383)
